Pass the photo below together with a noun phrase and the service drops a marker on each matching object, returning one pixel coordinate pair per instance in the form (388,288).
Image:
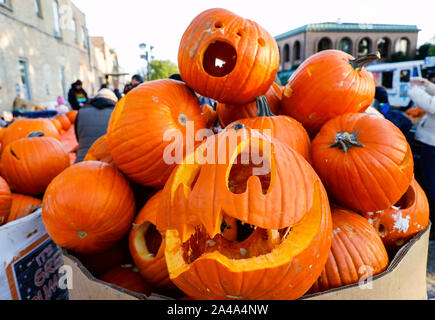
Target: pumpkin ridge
(369,188)
(385,172)
(351,255)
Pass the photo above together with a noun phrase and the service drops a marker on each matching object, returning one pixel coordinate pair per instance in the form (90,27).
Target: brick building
(356,39)
(44,47)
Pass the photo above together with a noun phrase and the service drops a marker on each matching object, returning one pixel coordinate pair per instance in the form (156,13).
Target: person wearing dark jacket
(92,121)
(77,96)
(135,81)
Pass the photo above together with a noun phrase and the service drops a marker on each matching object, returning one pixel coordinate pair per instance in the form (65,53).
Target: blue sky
(161,23)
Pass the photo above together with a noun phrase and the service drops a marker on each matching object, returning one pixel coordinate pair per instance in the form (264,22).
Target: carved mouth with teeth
(231,228)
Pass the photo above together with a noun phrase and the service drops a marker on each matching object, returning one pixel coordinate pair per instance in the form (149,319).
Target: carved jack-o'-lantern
(227,58)
(275,206)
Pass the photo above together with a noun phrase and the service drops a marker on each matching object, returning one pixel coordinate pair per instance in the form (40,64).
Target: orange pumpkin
(58,125)
(5,201)
(23,127)
(227,58)
(209,115)
(326,85)
(99,151)
(72,115)
(147,246)
(364,161)
(143,125)
(280,208)
(30,164)
(229,113)
(88,207)
(64,121)
(127,277)
(282,128)
(410,215)
(99,263)
(22,206)
(357,252)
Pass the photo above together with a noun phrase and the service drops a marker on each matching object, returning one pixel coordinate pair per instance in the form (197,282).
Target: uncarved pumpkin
(227,58)
(72,115)
(228,113)
(147,246)
(281,211)
(364,161)
(99,151)
(58,125)
(64,121)
(127,277)
(99,263)
(326,85)
(143,125)
(30,164)
(5,201)
(357,252)
(22,206)
(283,128)
(407,217)
(23,127)
(88,207)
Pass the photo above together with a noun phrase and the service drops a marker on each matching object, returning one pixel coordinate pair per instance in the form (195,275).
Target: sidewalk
(431,271)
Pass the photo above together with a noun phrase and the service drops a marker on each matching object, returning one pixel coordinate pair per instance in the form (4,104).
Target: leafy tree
(423,51)
(400,56)
(160,69)
(431,51)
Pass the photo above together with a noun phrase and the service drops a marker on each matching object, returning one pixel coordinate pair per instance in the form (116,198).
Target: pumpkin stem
(263,107)
(361,62)
(239,126)
(35,134)
(344,141)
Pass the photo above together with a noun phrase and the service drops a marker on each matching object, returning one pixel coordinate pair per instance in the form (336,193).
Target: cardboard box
(405,279)
(30,262)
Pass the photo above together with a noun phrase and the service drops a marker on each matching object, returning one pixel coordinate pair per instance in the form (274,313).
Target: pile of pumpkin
(31,156)
(161,204)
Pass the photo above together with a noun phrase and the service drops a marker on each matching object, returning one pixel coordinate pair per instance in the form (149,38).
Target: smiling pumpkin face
(241,228)
(227,58)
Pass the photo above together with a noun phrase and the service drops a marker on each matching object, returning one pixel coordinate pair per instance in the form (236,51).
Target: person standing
(92,120)
(77,96)
(422,93)
(135,81)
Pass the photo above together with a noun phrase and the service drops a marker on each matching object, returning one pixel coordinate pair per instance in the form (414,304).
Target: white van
(395,78)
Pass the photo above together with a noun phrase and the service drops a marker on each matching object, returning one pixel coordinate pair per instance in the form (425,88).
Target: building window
(364,47)
(286,53)
(24,77)
(402,45)
(345,45)
(57,33)
(84,37)
(324,44)
(38,9)
(384,47)
(74,29)
(297,50)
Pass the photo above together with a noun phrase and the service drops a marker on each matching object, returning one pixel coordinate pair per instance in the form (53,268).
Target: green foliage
(425,50)
(400,56)
(162,69)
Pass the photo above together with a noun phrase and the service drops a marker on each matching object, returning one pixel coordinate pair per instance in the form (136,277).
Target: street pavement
(431,271)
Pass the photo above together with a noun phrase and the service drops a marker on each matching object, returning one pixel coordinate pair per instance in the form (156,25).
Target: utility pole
(148,57)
